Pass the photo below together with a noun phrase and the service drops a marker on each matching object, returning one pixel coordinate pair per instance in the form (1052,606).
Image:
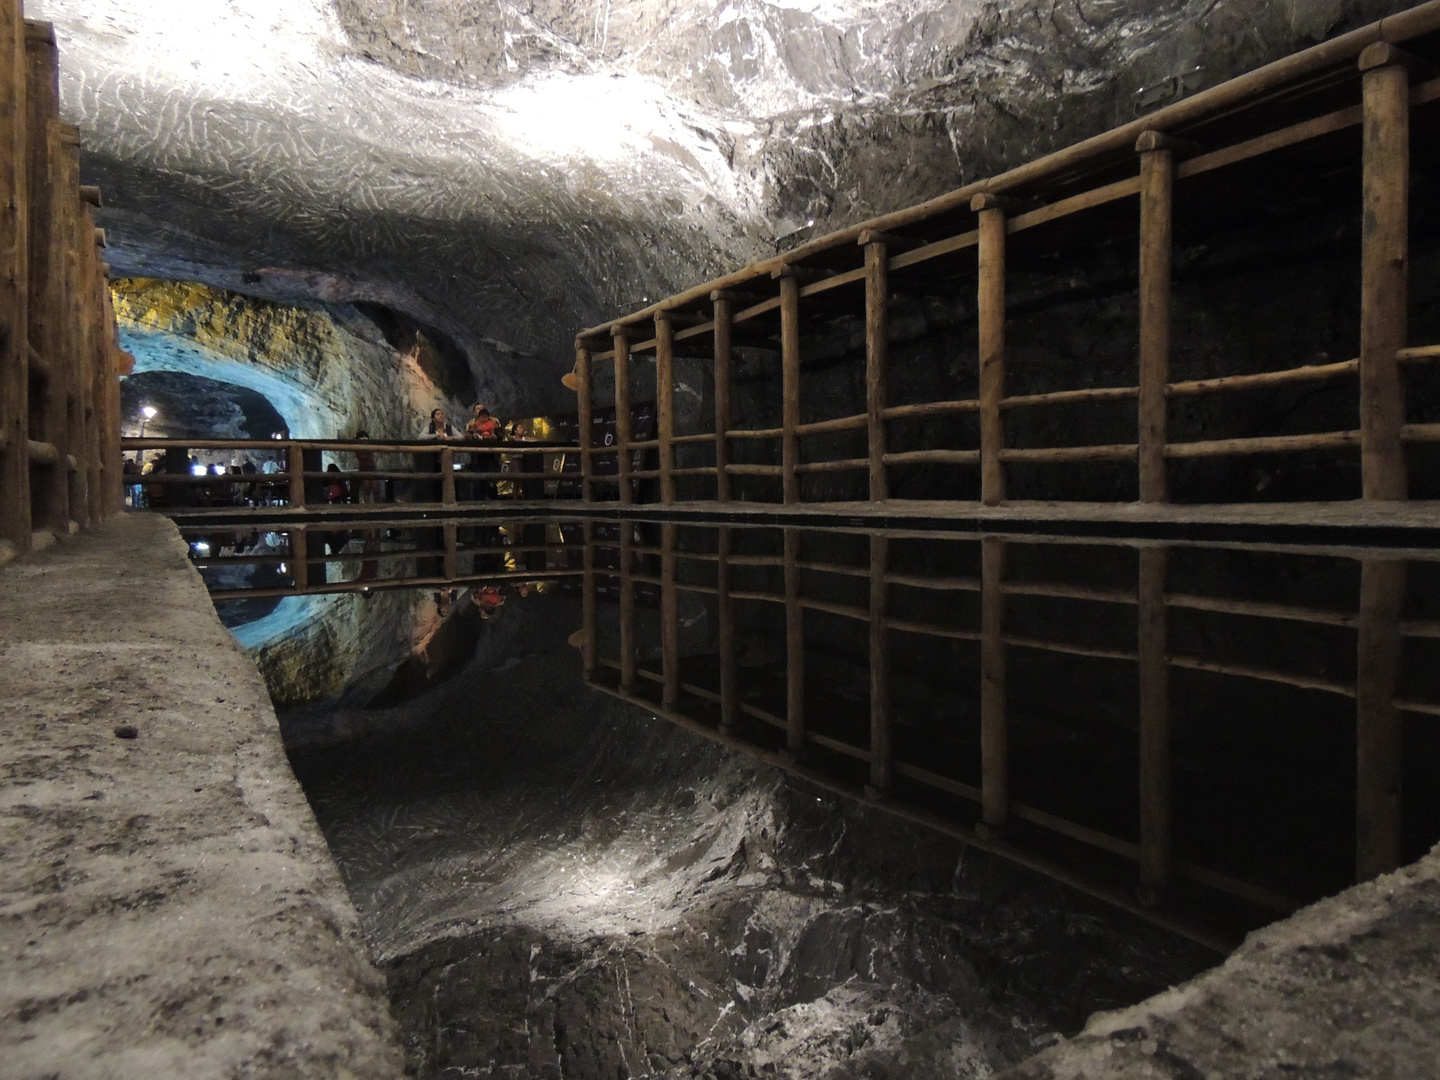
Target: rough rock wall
(511,172)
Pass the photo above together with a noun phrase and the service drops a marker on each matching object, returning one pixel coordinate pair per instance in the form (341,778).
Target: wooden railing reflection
(715,699)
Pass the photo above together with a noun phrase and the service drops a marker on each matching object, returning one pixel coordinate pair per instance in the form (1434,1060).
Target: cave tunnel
(720,539)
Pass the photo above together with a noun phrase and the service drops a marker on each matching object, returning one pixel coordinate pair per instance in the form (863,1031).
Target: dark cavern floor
(556,885)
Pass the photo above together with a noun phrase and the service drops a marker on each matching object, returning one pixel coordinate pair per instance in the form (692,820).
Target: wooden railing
(59,355)
(448,475)
(1280,107)
(711,697)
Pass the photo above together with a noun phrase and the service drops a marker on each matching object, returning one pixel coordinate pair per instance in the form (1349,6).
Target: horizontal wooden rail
(844,465)
(682,440)
(1121,452)
(754,470)
(825,427)
(1070,397)
(929,408)
(933,457)
(760,433)
(42,453)
(1265,444)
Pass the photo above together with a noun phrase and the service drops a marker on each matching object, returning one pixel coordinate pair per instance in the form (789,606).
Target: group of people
(481,427)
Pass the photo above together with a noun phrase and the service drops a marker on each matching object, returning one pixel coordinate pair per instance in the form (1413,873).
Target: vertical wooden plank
(794,648)
(450,532)
(725,614)
(665,404)
(991,316)
(877,360)
(295,466)
(880,746)
(1378,722)
(790,384)
(1384,270)
(627,610)
(95,354)
(299,559)
(589,643)
(48,277)
(994,727)
(1157,197)
(585,391)
(724,308)
(622,412)
(669,619)
(447,477)
(14,285)
(1154,726)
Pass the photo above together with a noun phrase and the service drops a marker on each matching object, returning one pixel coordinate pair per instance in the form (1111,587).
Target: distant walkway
(170,906)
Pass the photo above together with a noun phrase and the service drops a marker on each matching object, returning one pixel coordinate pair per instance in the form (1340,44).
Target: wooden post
(1378,722)
(621,339)
(1154,726)
(994,733)
(877,360)
(794,649)
(585,397)
(790,383)
(729,685)
(627,611)
(299,559)
(452,550)
(447,476)
(14,262)
(1384,272)
(669,620)
(880,749)
(665,404)
(48,277)
(991,317)
(1157,198)
(589,644)
(295,466)
(724,314)
(95,357)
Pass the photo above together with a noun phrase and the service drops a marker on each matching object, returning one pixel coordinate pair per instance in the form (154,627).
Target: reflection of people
(368,488)
(488,599)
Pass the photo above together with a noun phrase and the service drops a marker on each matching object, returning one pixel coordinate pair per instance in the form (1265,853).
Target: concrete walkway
(168,907)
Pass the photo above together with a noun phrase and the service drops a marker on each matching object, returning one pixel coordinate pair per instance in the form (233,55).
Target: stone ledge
(1345,987)
(167,904)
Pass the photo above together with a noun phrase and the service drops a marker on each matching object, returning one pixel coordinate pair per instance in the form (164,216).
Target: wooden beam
(589,630)
(877,361)
(994,732)
(881,750)
(295,467)
(299,560)
(790,385)
(627,608)
(48,279)
(15,526)
(665,403)
(447,476)
(622,414)
(724,307)
(1154,726)
(585,391)
(669,619)
(794,648)
(1157,196)
(449,531)
(991,316)
(725,615)
(1379,729)
(1384,273)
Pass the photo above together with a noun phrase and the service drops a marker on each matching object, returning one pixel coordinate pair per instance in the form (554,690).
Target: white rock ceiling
(511,171)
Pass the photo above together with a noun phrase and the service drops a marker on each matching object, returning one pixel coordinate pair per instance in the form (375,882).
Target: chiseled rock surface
(168,907)
(1349,987)
(511,171)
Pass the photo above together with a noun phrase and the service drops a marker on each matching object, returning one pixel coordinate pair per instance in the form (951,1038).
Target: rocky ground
(556,885)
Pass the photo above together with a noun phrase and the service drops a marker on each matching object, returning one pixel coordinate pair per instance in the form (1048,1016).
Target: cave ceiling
(510,171)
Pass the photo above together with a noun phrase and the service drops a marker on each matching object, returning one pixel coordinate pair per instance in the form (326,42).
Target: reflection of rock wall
(342,640)
(327,374)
